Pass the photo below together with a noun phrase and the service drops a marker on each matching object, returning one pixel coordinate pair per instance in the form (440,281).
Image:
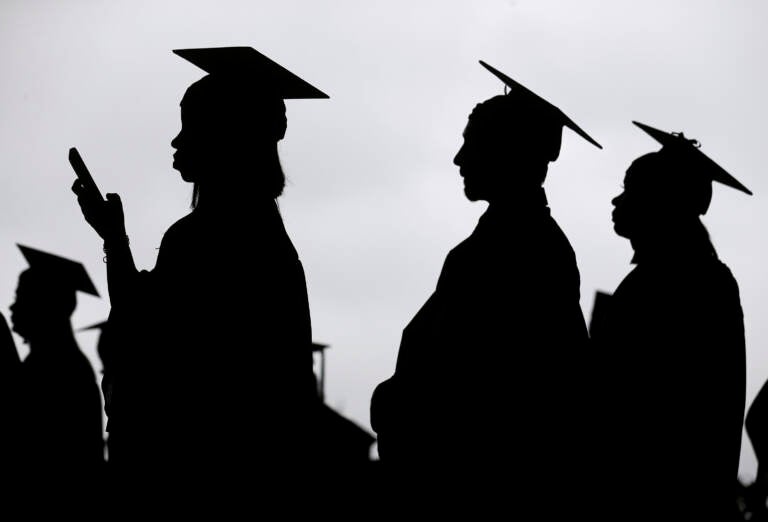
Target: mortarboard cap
(535,100)
(97,326)
(690,152)
(64,272)
(249,65)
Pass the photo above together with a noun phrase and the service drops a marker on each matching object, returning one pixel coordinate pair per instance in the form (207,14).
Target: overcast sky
(374,202)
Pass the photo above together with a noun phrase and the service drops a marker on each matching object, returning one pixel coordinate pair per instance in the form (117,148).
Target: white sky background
(374,203)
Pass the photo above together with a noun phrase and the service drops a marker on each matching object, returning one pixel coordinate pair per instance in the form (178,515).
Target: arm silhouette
(107,219)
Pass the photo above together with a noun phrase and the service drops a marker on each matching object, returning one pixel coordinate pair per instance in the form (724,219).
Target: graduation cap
(247,65)
(688,151)
(317,347)
(64,272)
(104,344)
(96,326)
(539,105)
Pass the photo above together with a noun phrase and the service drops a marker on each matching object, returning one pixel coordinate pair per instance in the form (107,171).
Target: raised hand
(106,217)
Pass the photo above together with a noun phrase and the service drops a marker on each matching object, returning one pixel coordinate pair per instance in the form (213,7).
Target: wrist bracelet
(108,245)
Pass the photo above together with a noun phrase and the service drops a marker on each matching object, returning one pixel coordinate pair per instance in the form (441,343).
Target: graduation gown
(672,376)
(215,367)
(756,425)
(487,370)
(59,417)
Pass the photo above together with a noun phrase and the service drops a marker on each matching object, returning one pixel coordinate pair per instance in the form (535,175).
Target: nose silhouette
(458,157)
(175,141)
(615,201)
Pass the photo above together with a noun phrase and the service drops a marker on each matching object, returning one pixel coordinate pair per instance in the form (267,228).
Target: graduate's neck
(228,198)
(53,337)
(521,197)
(673,240)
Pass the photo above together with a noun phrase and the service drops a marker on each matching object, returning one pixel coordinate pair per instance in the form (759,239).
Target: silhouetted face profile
(509,142)
(661,190)
(507,148)
(231,121)
(40,301)
(45,295)
(229,134)
(667,189)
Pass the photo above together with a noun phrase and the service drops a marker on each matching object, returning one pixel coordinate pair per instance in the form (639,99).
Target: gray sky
(374,202)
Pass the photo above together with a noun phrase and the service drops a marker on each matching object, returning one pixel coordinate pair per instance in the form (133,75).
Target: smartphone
(82,172)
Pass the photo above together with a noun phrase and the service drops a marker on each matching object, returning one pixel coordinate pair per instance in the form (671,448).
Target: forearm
(121,269)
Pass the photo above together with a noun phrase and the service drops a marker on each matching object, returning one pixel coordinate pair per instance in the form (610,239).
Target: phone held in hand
(82,172)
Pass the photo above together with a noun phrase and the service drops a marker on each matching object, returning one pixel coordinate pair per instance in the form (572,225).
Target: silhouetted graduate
(485,381)
(756,424)
(213,370)
(599,312)
(104,347)
(10,364)
(58,404)
(9,356)
(672,346)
